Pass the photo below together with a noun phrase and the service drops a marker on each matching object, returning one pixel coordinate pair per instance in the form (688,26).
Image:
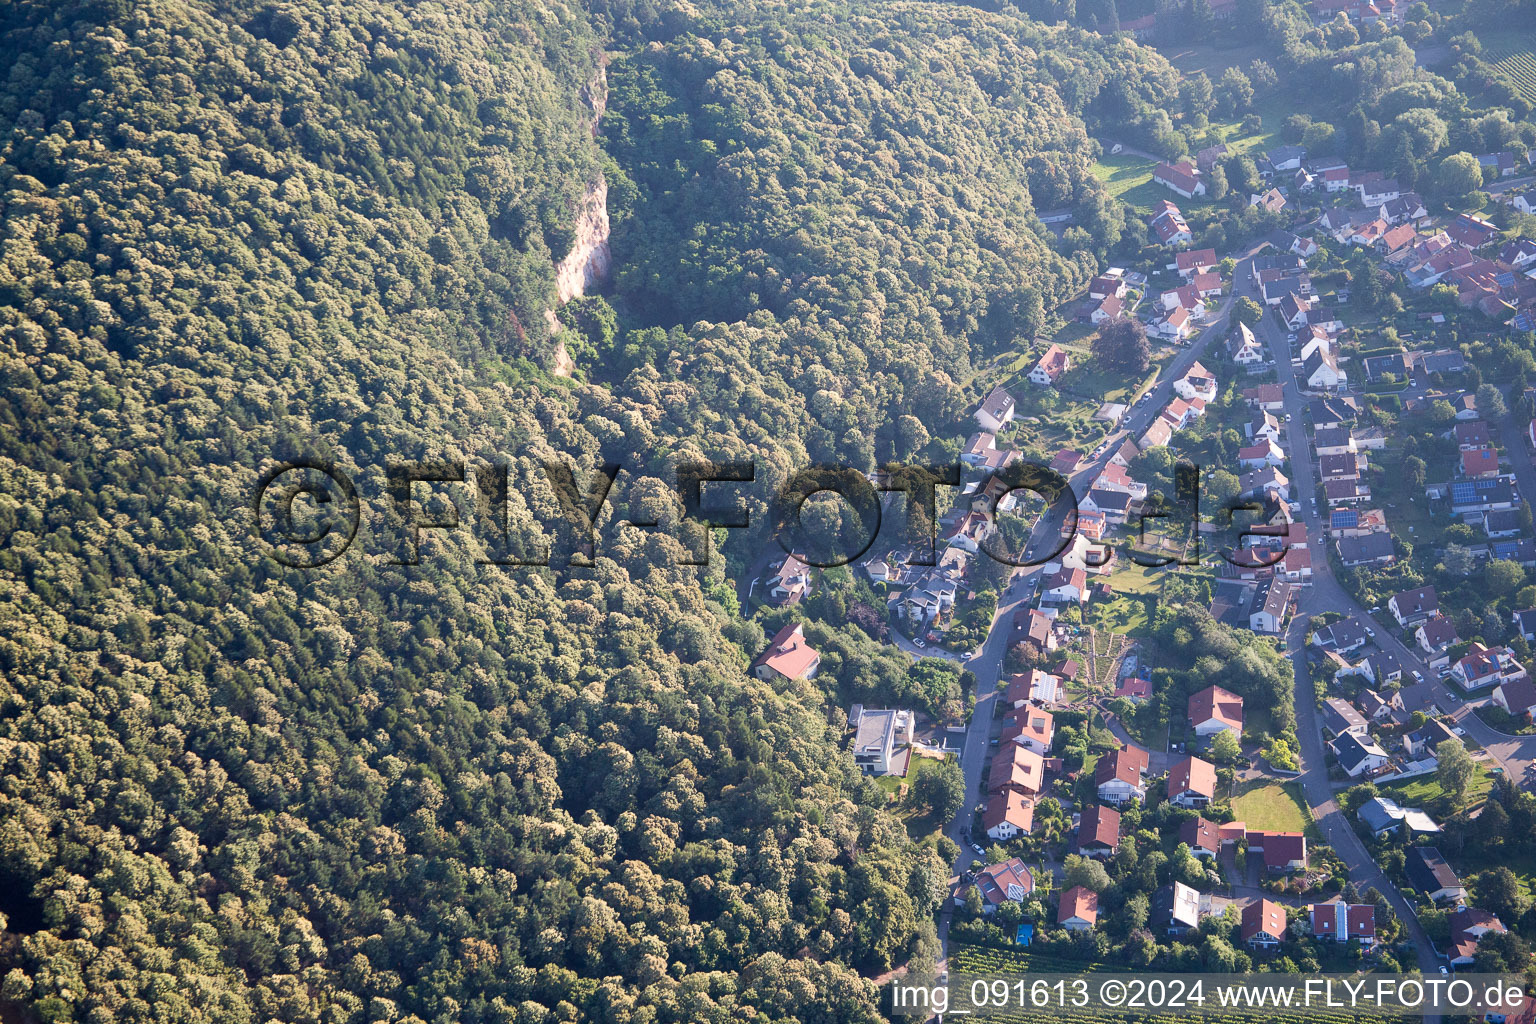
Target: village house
(1032,628)
(1484,666)
(1009,813)
(1283,851)
(1214,709)
(1263,924)
(877,736)
(1196,261)
(1197,382)
(1065,585)
(1008,882)
(1031,727)
(1176,907)
(1517,697)
(1366,549)
(1468,926)
(1430,875)
(1337,921)
(1272,603)
(788,656)
(1078,910)
(1169,226)
(1243,348)
(1413,606)
(1185,179)
(1134,689)
(1118,776)
(790,581)
(1192,783)
(997,411)
(1435,634)
(1016,768)
(1423,741)
(1051,366)
(1321,371)
(1384,817)
(1260,483)
(1098,832)
(1358,755)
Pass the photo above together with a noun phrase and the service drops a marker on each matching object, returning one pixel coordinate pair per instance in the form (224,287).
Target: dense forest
(239,232)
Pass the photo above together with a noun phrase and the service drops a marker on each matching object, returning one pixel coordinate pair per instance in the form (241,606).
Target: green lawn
(1127,614)
(1129,179)
(1273,807)
(1130,578)
(1426,791)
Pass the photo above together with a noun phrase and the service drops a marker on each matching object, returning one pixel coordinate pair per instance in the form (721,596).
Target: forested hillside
(240,232)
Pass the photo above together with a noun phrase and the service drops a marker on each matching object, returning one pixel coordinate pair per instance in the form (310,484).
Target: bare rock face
(589,260)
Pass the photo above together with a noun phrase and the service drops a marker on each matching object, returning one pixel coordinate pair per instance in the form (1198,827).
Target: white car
(1418,676)
(978,849)
(918,642)
(1287,417)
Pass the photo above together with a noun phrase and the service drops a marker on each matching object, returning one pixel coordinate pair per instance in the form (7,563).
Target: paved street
(1325,594)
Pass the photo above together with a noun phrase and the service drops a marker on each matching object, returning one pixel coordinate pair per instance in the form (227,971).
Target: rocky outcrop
(589,259)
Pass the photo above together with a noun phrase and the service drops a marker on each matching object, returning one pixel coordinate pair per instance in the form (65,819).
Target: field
(1514,53)
(1272,806)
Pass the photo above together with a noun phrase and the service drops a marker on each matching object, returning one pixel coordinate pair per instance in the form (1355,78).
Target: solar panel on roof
(1463,491)
(1344,519)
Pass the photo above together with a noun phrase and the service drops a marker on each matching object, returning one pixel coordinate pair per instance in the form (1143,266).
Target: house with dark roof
(1430,874)
(1358,754)
(1436,634)
(1098,832)
(1370,549)
(1343,636)
(1525,622)
(1202,836)
(1283,851)
(1383,816)
(1272,604)
(1413,606)
(1423,741)
(1340,717)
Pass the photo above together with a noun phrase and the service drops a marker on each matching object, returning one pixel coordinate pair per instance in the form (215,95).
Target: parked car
(1418,676)
(919,642)
(978,849)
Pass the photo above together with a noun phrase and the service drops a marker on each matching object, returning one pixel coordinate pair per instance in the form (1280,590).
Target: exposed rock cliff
(589,259)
